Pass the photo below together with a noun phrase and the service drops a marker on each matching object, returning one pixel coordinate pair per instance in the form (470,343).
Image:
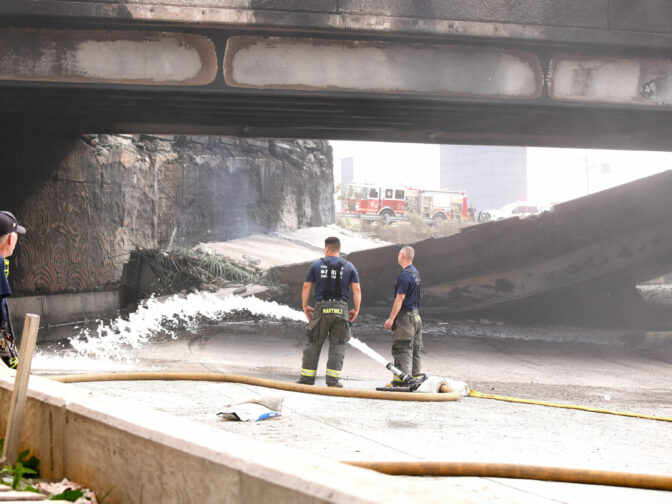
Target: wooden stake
(28,338)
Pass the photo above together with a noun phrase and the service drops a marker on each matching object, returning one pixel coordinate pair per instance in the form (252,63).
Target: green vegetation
(69,495)
(15,477)
(182,268)
(408,231)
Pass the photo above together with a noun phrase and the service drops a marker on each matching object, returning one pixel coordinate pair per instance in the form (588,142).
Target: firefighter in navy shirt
(332,277)
(9,235)
(404,320)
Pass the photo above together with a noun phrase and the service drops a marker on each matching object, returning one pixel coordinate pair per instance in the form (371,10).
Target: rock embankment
(110,194)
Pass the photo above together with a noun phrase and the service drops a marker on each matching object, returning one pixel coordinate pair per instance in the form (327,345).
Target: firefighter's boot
(305,381)
(333,377)
(306,378)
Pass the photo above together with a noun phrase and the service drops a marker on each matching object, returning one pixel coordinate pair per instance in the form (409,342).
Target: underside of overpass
(585,74)
(592,74)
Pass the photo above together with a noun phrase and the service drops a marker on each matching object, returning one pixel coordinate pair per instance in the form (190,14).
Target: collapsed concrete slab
(582,258)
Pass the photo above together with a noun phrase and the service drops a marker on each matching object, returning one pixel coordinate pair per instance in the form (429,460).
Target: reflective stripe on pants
(333,373)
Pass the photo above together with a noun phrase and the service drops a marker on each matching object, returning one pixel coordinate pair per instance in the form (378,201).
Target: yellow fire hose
(445,394)
(448,394)
(520,471)
(473,393)
(492,470)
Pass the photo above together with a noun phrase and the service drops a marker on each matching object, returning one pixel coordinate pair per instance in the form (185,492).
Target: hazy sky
(553,175)
(556,175)
(406,164)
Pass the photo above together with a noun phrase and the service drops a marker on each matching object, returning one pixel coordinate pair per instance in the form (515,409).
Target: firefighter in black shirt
(332,277)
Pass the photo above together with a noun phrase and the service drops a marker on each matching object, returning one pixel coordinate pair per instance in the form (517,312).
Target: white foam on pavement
(161,317)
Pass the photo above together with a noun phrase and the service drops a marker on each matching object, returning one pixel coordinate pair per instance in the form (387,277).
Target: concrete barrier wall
(58,309)
(64,308)
(144,456)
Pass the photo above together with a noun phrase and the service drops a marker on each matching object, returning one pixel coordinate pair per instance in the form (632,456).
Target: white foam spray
(160,317)
(366,349)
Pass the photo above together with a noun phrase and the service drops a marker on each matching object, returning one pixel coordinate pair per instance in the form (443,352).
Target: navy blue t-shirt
(317,274)
(4,292)
(406,284)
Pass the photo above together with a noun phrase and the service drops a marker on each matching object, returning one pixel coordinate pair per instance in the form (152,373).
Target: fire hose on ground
(520,471)
(422,468)
(447,395)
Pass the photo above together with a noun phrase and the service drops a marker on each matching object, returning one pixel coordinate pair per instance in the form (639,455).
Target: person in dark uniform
(404,320)
(332,277)
(9,235)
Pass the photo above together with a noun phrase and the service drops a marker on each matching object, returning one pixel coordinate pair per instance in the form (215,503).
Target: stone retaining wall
(88,202)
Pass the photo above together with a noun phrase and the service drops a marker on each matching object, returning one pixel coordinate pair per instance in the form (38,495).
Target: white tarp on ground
(289,247)
(252,410)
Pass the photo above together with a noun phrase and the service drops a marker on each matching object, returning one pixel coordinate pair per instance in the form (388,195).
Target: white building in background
(491,176)
(494,176)
(342,179)
(347,171)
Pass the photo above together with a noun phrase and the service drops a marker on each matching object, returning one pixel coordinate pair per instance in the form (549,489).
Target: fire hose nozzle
(406,379)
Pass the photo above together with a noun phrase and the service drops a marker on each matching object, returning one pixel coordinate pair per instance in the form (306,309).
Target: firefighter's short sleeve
(403,282)
(313,272)
(354,275)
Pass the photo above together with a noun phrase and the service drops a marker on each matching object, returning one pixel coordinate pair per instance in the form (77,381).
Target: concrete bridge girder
(105,57)
(285,63)
(237,72)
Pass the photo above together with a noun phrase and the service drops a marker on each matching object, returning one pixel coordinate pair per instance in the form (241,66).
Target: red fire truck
(401,201)
(370,199)
(437,205)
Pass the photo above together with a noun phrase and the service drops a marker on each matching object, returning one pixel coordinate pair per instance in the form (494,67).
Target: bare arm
(357,301)
(396,306)
(305,295)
